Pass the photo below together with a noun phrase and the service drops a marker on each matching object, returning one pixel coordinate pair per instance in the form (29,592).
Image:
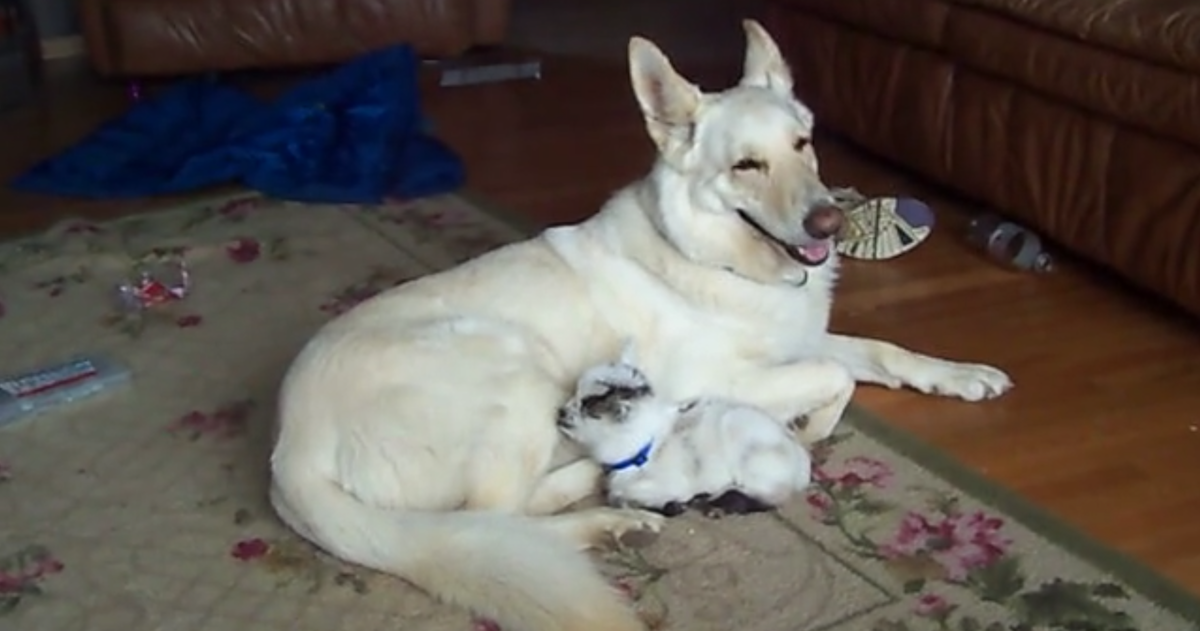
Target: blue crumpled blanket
(353,135)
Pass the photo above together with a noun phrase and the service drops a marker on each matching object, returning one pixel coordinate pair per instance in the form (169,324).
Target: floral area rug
(143,508)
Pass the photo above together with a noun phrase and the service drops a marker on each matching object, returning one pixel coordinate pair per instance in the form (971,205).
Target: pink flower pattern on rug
(22,574)
(959,543)
(351,295)
(933,607)
(188,321)
(226,421)
(244,250)
(935,545)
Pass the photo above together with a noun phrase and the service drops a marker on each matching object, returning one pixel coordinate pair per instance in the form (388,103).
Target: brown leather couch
(175,37)
(1079,118)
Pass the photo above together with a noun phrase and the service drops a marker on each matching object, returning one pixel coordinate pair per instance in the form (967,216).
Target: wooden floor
(1105,415)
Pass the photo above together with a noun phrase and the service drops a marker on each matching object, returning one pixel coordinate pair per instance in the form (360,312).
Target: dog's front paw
(970,382)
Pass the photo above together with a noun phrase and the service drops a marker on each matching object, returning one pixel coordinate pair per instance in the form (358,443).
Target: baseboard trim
(64,47)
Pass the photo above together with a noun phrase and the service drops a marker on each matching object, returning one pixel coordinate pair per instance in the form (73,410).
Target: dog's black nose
(823,222)
(563,420)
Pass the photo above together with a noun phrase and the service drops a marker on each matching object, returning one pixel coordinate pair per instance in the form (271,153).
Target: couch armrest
(173,37)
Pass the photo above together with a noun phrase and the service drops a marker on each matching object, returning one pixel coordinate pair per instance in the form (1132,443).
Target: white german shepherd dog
(417,431)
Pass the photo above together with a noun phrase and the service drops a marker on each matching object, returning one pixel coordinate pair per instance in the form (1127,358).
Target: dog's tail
(504,567)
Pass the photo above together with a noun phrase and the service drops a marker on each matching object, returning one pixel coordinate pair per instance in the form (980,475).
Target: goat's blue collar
(636,460)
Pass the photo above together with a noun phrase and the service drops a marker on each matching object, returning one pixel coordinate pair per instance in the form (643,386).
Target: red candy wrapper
(154,283)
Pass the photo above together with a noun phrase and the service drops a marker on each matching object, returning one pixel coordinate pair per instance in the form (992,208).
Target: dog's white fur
(659,451)
(416,432)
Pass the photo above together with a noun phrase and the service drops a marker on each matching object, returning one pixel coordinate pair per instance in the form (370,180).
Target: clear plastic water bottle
(1009,243)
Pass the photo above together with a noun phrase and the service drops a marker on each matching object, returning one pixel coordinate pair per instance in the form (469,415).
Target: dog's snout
(563,420)
(823,222)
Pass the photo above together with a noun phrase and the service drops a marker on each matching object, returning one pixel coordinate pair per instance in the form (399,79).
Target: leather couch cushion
(1146,74)
(1137,61)
(1162,31)
(920,23)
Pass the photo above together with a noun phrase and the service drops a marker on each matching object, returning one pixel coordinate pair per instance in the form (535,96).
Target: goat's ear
(667,100)
(764,65)
(629,352)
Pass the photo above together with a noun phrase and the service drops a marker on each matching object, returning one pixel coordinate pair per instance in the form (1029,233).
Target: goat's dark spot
(672,509)
(738,503)
(728,503)
(609,403)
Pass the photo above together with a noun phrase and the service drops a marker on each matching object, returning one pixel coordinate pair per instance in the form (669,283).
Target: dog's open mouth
(812,254)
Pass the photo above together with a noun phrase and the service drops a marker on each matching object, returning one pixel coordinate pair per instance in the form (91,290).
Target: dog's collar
(636,460)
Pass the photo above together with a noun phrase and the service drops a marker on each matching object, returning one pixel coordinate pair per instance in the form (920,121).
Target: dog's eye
(749,164)
(801,144)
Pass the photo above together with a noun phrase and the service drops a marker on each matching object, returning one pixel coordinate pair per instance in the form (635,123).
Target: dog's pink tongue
(816,251)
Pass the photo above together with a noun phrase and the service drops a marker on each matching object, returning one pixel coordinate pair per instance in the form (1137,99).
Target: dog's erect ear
(668,101)
(764,66)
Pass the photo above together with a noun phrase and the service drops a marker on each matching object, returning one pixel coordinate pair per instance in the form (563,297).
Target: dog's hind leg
(594,527)
(513,476)
(564,486)
(598,527)
(589,528)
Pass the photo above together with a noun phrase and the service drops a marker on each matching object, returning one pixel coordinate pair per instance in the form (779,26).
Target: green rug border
(1154,586)
(1149,583)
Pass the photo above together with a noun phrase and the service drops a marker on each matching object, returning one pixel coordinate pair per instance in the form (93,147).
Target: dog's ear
(764,66)
(668,101)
